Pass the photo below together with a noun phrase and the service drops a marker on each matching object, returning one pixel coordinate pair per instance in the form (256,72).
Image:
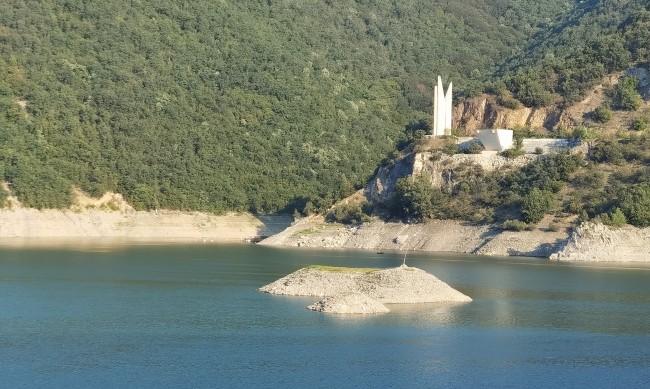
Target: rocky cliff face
(599,243)
(444,171)
(383,183)
(484,112)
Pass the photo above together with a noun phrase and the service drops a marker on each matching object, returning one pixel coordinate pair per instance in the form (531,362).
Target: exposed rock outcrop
(383,183)
(433,235)
(484,112)
(643,76)
(595,242)
(440,168)
(351,290)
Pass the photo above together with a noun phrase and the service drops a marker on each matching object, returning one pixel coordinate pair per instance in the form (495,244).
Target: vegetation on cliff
(610,184)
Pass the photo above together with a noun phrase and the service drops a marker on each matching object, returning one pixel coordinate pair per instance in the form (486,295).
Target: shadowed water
(181,316)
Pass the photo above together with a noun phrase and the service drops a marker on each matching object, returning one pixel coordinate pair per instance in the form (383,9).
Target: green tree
(536,204)
(626,96)
(617,218)
(414,197)
(635,204)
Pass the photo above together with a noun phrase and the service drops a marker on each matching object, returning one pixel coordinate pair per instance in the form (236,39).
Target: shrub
(573,206)
(507,101)
(635,204)
(513,153)
(348,214)
(603,113)
(450,148)
(625,94)
(539,150)
(617,218)
(610,151)
(474,148)
(536,204)
(515,225)
(639,124)
(3,197)
(583,133)
(591,179)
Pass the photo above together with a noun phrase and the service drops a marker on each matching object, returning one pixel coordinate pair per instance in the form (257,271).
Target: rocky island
(364,290)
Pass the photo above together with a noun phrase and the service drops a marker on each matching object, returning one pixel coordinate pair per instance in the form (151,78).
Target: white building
(442,109)
(496,140)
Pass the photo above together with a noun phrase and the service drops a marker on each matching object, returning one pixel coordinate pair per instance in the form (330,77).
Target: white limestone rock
(349,303)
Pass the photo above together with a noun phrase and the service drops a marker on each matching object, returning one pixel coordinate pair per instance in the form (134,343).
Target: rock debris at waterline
(355,290)
(349,303)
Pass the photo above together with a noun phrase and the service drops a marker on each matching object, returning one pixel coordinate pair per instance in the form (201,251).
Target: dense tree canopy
(596,38)
(260,105)
(245,105)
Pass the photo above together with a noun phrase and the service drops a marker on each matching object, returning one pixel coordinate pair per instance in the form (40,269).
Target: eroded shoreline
(30,227)
(588,243)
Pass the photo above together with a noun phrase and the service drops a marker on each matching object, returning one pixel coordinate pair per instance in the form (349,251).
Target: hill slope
(217,105)
(562,63)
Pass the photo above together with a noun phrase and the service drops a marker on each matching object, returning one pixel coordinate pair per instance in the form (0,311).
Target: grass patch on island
(341,269)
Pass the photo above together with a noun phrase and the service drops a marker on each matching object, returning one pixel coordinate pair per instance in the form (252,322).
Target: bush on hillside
(617,218)
(639,124)
(350,213)
(635,204)
(607,151)
(515,225)
(536,204)
(474,148)
(512,153)
(415,197)
(626,96)
(602,113)
(3,197)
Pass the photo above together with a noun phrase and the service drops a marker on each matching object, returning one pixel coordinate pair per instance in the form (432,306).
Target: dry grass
(341,269)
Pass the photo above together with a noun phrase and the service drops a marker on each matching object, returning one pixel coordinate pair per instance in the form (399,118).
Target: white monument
(442,104)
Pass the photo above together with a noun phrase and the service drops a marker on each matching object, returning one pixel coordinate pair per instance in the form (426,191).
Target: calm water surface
(181,316)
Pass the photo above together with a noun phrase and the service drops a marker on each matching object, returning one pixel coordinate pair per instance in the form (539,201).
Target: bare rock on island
(356,290)
(349,303)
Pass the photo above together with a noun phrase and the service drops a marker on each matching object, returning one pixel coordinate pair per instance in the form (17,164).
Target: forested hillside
(241,105)
(562,63)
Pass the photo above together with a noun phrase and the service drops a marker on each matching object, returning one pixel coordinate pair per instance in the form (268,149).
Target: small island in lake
(364,290)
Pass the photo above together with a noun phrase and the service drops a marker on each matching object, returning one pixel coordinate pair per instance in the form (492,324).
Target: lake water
(181,316)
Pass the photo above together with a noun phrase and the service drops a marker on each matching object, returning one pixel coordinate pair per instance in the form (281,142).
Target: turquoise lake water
(191,316)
